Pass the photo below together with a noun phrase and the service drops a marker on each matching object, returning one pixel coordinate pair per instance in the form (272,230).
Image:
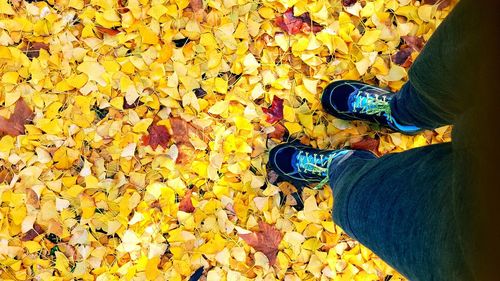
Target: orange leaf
(180,130)
(108,31)
(186,205)
(266,240)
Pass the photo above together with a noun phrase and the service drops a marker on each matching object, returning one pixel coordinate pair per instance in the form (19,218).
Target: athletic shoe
(354,100)
(303,165)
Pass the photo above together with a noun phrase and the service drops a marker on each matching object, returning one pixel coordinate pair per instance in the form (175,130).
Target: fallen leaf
(32,233)
(442,3)
(158,135)
(293,25)
(180,130)
(186,205)
(265,240)
(275,112)
(22,115)
(415,42)
(403,56)
(108,31)
(348,3)
(196,5)
(278,133)
(366,143)
(122,6)
(32,49)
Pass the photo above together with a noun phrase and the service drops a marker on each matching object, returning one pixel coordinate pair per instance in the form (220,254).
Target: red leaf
(275,112)
(22,115)
(158,135)
(293,25)
(266,240)
(348,3)
(108,31)
(366,143)
(186,205)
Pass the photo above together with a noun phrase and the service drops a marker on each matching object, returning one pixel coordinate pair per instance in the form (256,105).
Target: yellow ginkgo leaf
(93,70)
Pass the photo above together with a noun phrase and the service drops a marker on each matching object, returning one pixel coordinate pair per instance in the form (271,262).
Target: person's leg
(399,207)
(437,92)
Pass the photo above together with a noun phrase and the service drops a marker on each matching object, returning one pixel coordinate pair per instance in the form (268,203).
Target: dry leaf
(158,136)
(275,112)
(186,205)
(22,115)
(265,240)
(293,25)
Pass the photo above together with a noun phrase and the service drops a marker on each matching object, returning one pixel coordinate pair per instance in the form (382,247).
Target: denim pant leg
(398,206)
(437,93)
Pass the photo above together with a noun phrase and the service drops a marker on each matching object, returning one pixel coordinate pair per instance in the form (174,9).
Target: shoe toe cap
(336,96)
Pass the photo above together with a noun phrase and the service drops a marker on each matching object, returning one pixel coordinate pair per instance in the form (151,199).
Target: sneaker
(303,165)
(354,100)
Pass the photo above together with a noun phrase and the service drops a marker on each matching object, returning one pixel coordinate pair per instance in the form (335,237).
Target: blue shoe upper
(303,165)
(354,100)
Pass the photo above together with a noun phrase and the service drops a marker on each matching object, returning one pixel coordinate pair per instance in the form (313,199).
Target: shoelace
(372,104)
(313,163)
(316,164)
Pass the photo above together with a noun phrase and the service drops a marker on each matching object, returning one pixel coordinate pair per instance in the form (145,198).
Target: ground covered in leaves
(134,134)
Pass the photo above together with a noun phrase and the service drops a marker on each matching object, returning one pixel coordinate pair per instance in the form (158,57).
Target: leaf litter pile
(134,134)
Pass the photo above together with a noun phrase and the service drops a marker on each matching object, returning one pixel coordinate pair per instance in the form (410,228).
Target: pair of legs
(418,210)
(414,208)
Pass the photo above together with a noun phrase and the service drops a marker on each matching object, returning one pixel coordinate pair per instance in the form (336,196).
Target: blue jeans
(412,208)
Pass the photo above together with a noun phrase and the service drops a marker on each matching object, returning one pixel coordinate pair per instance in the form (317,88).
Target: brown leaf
(186,205)
(279,132)
(366,143)
(414,42)
(266,240)
(295,24)
(32,49)
(5,175)
(403,56)
(180,131)
(196,5)
(22,115)
(32,198)
(32,233)
(122,6)
(106,30)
